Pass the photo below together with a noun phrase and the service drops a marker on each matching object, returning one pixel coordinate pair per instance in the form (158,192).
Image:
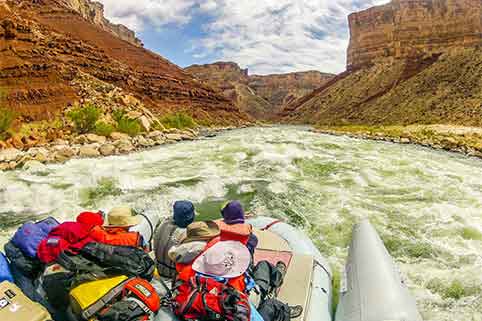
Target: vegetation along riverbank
(459,139)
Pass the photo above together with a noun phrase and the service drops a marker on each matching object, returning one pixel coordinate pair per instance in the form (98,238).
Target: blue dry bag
(5,274)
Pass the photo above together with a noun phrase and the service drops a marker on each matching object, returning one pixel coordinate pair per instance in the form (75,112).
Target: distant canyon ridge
(262,97)
(409,61)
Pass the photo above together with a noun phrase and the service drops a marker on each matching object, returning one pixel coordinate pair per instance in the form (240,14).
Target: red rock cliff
(45,45)
(410,28)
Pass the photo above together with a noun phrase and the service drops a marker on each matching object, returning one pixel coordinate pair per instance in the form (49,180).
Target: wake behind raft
(372,289)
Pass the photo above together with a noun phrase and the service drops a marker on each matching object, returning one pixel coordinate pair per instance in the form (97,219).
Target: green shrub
(84,118)
(178,120)
(6,119)
(131,127)
(119,114)
(104,129)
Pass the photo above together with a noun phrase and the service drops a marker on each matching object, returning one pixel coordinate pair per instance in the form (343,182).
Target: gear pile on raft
(99,267)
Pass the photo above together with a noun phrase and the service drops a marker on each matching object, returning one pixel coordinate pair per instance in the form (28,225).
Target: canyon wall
(94,12)
(413,28)
(409,62)
(47,49)
(260,96)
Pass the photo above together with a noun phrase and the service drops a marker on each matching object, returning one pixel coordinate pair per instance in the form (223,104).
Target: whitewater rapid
(427,205)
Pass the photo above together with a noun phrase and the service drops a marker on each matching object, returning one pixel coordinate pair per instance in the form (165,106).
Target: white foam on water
(414,195)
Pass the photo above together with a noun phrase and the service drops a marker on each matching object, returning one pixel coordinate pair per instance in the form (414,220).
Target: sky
(265,36)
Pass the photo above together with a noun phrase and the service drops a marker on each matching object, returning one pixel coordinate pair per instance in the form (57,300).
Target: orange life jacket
(234,232)
(116,236)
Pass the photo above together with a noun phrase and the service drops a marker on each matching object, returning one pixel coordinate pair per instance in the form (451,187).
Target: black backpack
(30,267)
(274,310)
(78,270)
(268,279)
(129,261)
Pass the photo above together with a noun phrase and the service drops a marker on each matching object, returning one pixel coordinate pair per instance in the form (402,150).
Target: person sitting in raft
(194,242)
(233,226)
(169,233)
(218,276)
(116,229)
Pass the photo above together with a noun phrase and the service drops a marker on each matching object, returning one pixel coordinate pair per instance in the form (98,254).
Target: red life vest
(234,232)
(185,273)
(203,298)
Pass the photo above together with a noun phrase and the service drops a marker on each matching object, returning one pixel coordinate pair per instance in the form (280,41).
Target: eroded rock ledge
(412,28)
(94,12)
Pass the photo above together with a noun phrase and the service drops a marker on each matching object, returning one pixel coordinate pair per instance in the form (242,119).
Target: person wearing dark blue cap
(169,233)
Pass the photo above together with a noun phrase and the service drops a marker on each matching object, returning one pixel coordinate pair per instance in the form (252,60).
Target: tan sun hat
(201,231)
(122,217)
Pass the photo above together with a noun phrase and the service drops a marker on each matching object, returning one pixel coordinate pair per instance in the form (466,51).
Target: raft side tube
(373,289)
(319,307)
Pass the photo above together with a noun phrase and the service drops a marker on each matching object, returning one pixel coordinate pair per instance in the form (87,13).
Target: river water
(426,205)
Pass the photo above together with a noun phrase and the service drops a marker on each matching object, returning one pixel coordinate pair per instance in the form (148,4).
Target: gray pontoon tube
(373,289)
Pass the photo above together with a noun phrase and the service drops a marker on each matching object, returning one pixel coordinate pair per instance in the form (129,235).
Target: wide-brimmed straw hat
(227,259)
(201,231)
(122,217)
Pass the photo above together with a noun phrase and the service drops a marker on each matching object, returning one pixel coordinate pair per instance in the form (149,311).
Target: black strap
(151,226)
(192,296)
(167,266)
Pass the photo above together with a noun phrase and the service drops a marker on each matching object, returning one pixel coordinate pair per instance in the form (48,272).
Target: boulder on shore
(124,146)
(107,150)
(92,138)
(10,154)
(119,136)
(88,151)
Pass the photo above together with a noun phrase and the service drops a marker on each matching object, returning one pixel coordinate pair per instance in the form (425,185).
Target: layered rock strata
(46,44)
(413,28)
(94,12)
(409,62)
(260,96)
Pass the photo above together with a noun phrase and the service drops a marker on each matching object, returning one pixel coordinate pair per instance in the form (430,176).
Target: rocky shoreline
(441,142)
(92,146)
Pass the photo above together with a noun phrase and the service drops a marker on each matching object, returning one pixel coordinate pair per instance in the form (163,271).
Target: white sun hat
(227,259)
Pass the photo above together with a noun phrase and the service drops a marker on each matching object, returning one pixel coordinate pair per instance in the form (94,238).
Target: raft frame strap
(270,225)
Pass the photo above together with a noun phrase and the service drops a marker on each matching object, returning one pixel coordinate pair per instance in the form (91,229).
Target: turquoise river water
(426,205)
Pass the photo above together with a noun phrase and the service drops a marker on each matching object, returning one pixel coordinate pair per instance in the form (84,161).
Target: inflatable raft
(308,277)
(371,290)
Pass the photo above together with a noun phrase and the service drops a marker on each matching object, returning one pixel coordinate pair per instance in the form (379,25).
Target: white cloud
(267,36)
(136,13)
